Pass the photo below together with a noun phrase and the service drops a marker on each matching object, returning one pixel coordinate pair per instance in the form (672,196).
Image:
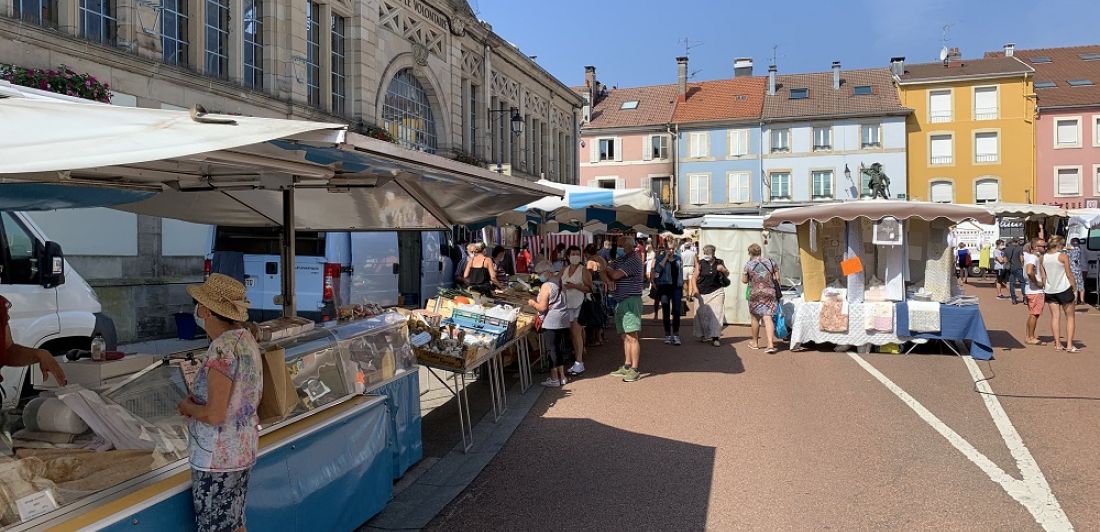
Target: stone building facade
(427,72)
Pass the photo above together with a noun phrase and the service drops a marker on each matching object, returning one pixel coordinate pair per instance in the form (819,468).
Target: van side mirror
(51,265)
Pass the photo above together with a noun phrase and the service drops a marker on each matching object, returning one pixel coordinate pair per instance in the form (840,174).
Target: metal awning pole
(289,298)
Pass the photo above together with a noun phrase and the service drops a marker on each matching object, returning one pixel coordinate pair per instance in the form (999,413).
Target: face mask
(199,321)
(619,254)
(574,260)
(706,256)
(543,277)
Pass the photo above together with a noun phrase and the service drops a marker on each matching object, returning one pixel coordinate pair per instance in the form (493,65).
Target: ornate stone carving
(420,54)
(458,26)
(393,16)
(471,63)
(505,88)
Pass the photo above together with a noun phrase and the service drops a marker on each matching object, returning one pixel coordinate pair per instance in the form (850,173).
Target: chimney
(1010,49)
(590,77)
(771,79)
(836,75)
(682,76)
(742,67)
(897,66)
(954,54)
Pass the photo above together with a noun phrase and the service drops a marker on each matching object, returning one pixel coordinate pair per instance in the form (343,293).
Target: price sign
(35,504)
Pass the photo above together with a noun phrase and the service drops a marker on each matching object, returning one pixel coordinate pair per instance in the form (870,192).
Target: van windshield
(267,241)
(1093,242)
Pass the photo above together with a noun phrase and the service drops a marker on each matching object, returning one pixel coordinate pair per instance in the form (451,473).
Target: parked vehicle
(52,307)
(974,234)
(335,268)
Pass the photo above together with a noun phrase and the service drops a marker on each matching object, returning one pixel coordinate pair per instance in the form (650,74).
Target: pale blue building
(820,130)
(719,145)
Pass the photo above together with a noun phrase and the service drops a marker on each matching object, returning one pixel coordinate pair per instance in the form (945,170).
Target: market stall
(731,236)
(865,263)
(348,420)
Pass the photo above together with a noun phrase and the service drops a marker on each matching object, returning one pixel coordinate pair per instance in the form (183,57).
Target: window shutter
(704,190)
(987,191)
(941,146)
(1067,182)
(942,192)
(1067,132)
(618,150)
(985,102)
(704,141)
(985,147)
(595,153)
(939,106)
(647,148)
(693,189)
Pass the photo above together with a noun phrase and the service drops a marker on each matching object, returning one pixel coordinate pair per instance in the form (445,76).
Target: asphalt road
(731,438)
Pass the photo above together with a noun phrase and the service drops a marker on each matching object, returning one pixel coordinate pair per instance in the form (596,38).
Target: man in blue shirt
(627,274)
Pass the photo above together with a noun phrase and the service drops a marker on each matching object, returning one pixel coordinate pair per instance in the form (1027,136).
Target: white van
(334,268)
(52,307)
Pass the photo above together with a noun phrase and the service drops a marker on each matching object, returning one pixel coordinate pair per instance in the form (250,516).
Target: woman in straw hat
(222,406)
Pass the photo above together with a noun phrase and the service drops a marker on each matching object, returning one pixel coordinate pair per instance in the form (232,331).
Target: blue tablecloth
(956,323)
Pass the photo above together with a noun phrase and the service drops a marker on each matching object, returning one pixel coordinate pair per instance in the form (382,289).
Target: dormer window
(800,94)
(1041,59)
(632,104)
(863,90)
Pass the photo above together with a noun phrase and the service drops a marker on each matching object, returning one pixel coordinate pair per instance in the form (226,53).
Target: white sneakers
(551,383)
(668,340)
(673,340)
(576,369)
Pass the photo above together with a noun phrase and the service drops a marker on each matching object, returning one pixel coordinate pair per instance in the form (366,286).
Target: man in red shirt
(14,354)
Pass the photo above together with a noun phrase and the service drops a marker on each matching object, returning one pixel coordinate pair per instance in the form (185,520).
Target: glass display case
(326,366)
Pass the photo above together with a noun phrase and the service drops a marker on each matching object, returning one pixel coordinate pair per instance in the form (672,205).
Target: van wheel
(975,271)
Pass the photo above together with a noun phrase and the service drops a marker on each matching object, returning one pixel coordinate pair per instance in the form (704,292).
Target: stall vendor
(14,354)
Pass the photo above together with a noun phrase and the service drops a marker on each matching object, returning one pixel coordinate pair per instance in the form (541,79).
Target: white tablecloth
(806,326)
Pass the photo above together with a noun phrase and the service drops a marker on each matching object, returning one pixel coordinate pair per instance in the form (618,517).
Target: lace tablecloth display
(806,326)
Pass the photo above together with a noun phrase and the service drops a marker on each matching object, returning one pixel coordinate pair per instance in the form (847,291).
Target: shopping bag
(781,329)
(279,397)
(589,315)
(748,291)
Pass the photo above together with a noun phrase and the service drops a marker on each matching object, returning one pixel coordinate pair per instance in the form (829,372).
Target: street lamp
(517,129)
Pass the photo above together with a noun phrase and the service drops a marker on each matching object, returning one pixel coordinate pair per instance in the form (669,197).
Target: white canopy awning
(1088,218)
(222,169)
(1023,210)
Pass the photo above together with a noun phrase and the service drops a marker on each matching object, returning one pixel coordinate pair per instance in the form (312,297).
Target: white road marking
(1032,491)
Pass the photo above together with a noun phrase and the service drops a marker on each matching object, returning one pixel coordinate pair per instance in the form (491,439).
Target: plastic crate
(466,318)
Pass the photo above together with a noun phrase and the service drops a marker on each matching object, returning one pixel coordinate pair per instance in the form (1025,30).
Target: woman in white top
(1060,295)
(577,282)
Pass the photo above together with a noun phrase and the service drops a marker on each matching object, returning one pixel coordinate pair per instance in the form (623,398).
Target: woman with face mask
(221,410)
(577,281)
(551,305)
(709,282)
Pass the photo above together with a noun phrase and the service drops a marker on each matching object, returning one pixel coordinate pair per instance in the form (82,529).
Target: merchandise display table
(497,388)
(962,323)
(805,324)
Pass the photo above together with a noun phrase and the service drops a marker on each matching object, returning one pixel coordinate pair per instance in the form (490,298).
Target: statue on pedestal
(879,182)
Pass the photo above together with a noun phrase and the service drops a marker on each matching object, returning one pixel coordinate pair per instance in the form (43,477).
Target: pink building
(1067,84)
(624,141)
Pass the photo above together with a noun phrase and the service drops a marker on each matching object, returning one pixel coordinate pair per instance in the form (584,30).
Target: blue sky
(635,42)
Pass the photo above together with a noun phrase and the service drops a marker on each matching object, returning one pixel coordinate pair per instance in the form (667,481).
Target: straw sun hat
(223,295)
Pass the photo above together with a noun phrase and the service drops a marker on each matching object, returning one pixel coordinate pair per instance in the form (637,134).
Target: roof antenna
(944,53)
(775,54)
(690,45)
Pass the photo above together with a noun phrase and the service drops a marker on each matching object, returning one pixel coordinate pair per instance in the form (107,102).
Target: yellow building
(971,137)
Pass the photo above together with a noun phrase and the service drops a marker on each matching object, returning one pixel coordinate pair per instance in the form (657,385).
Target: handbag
(775,284)
(538,323)
(589,314)
(748,291)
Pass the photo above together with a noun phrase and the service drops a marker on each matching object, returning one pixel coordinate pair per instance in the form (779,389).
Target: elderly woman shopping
(760,274)
(222,406)
(708,282)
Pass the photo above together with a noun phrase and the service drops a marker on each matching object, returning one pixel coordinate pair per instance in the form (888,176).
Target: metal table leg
(503,386)
(465,424)
(524,354)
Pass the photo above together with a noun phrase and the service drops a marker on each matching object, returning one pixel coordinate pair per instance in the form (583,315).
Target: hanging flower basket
(61,81)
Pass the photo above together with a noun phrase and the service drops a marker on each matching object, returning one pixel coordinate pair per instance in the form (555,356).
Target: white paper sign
(421,339)
(35,504)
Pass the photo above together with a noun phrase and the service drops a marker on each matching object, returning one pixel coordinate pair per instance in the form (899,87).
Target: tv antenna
(775,53)
(945,38)
(690,45)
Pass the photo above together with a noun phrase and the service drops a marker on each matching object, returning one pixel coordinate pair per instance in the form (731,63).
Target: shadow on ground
(589,476)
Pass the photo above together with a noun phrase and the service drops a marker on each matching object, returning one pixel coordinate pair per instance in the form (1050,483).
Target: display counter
(349,424)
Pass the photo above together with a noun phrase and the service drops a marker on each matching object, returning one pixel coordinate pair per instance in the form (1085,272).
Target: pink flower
(88,83)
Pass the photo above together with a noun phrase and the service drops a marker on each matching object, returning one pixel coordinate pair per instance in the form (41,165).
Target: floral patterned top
(230,446)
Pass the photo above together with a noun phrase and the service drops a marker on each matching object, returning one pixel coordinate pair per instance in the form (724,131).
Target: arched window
(407,113)
(942,192)
(987,190)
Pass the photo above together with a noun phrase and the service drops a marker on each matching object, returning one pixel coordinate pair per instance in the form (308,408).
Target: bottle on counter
(99,348)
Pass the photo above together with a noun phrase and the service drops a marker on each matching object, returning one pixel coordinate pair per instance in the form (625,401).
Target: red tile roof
(964,68)
(824,101)
(722,99)
(1065,64)
(655,105)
